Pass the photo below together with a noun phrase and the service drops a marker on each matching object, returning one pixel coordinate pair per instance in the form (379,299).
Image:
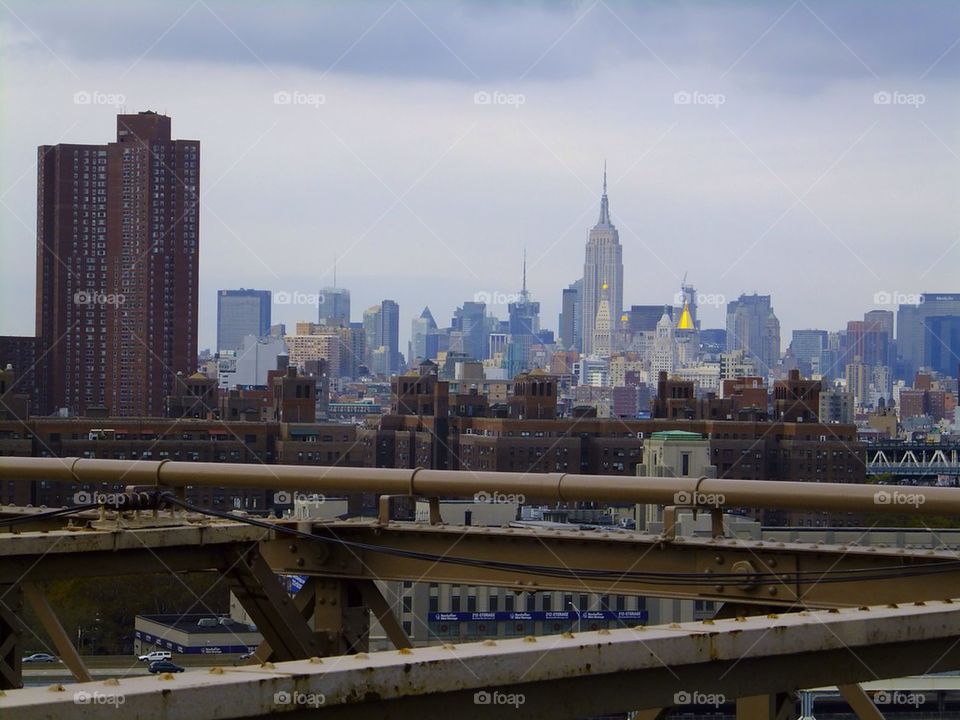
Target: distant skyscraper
(423,338)
(928,335)
(381,324)
(602,326)
(468,330)
(570,320)
(808,347)
(241,313)
(603,264)
(334,306)
(523,326)
(753,328)
(117,268)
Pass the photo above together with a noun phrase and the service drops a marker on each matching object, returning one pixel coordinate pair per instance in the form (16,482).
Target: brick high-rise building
(117,268)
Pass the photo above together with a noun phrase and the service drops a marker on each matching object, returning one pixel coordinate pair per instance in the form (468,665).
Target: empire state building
(603,264)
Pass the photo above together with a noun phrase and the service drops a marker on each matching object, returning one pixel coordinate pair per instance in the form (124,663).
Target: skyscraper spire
(523,292)
(604,203)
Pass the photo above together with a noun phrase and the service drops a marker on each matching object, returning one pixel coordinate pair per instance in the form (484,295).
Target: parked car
(40,657)
(156,655)
(164,666)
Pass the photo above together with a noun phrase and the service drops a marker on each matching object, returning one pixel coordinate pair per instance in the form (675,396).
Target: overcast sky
(810,150)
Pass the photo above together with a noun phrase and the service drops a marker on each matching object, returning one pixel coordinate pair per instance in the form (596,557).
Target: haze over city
(750,147)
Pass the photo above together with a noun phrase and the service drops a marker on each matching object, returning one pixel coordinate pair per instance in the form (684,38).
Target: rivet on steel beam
(718,560)
(292,548)
(603,631)
(639,628)
(165,676)
(529,638)
(772,562)
(740,618)
(361,656)
(718,588)
(300,562)
(568,635)
(893,606)
(111,681)
(405,651)
(216,671)
(919,603)
(771,590)
(315,660)
(268,665)
(56,688)
(448,646)
(489,643)
(708,621)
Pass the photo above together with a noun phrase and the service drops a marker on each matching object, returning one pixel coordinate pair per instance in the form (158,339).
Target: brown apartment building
(117,268)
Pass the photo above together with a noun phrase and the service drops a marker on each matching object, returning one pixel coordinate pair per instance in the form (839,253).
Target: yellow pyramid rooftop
(686,322)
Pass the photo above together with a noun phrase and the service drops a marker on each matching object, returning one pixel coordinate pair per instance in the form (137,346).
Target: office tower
(570,321)
(381,326)
(753,327)
(423,338)
(602,327)
(117,268)
(603,264)
(469,331)
(523,326)
(928,335)
(334,306)
(665,347)
(241,313)
(807,347)
(644,318)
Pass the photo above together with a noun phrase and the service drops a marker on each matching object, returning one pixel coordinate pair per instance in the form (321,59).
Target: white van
(156,655)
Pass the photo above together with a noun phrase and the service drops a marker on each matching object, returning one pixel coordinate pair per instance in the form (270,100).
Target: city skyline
(717,191)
